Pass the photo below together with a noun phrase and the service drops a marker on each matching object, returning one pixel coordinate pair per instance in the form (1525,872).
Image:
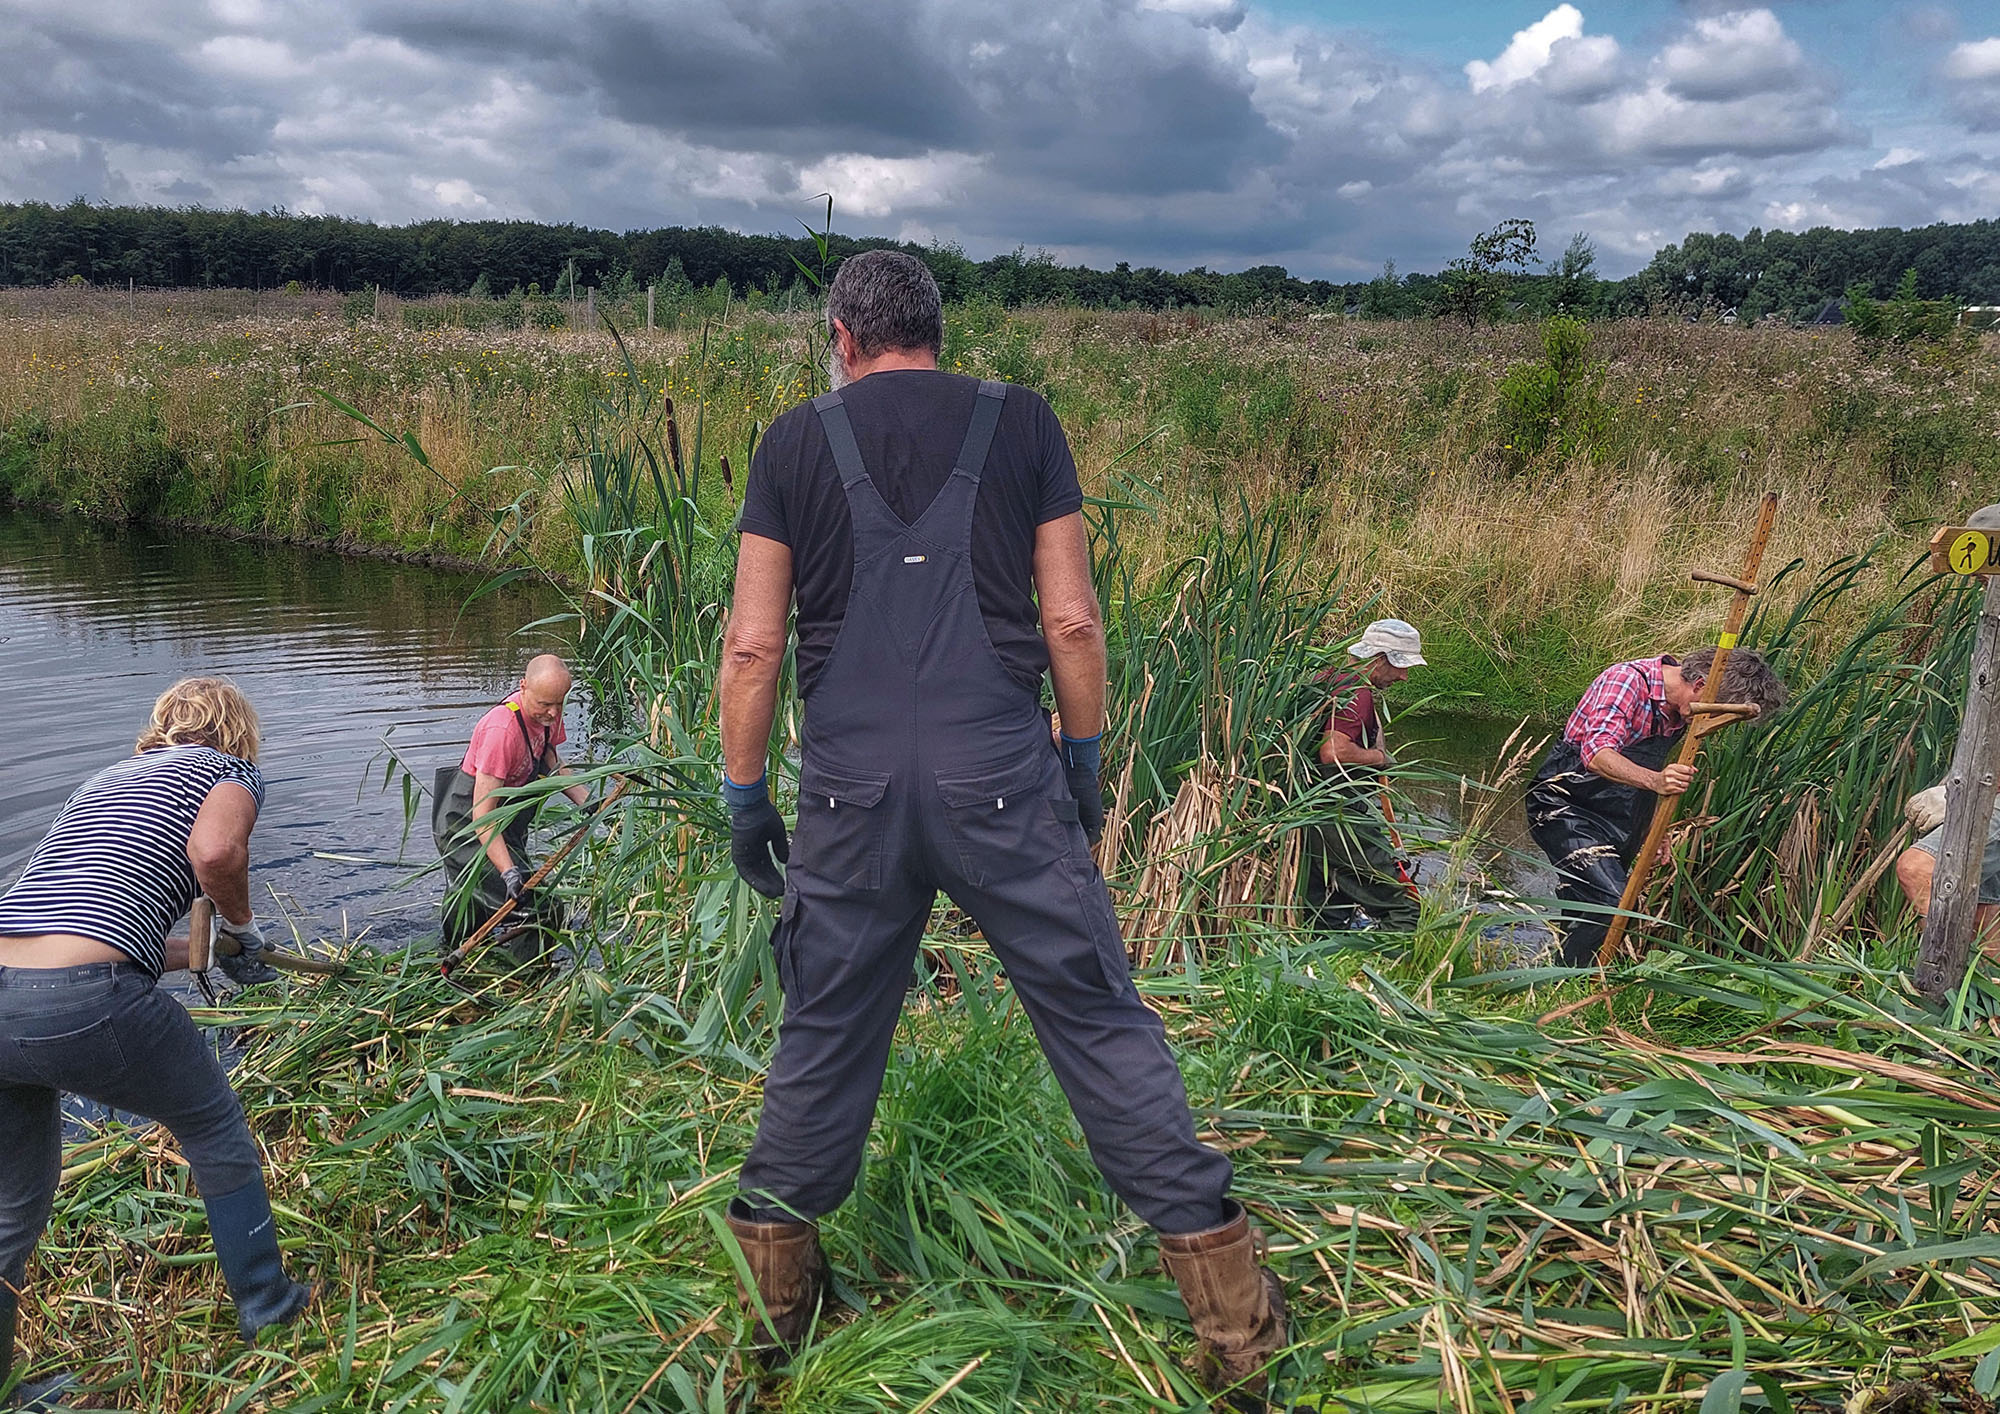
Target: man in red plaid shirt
(1591,801)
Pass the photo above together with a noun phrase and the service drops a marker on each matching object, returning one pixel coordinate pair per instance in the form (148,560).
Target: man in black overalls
(931,597)
(513,745)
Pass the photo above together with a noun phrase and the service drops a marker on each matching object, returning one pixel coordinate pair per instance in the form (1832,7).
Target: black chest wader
(926,766)
(1591,830)
(467,905)
(1351,861)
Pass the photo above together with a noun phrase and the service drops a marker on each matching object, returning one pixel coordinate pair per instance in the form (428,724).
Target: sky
(1321,135)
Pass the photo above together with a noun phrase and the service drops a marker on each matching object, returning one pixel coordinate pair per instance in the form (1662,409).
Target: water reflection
(334,653)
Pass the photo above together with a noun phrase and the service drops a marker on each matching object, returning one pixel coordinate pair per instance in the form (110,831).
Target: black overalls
(926,766)
(527,932)
(1591,830)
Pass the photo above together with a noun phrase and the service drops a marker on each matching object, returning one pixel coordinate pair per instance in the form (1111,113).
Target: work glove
(515,884)
(756,837)
(1925,809)
(245,967)
(1081,762)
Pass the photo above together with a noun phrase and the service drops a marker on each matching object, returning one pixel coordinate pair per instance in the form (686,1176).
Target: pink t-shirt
(499,749)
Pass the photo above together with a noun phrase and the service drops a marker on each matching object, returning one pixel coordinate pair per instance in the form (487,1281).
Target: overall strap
(535,762)
(840,439)
(979,436)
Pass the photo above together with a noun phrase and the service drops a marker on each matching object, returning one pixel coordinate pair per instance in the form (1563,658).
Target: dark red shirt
(1352,712)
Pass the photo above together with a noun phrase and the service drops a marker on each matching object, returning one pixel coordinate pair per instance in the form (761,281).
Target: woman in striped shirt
(83,939)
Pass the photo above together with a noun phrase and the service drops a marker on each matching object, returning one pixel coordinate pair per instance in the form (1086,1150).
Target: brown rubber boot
(785,1262)
(1235,1303)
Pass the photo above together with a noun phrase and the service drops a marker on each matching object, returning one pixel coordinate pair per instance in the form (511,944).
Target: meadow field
(1743,1168)
(1385,447)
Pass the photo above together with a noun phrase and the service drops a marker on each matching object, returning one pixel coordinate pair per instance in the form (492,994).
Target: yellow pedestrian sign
(1961,549)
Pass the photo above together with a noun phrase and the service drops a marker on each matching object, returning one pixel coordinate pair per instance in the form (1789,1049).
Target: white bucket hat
(1393,637)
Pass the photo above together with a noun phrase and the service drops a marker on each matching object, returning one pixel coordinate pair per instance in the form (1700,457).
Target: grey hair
(888,300)
(1746,677)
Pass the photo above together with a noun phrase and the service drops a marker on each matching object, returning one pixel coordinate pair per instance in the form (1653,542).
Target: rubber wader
(789,1272)
(459,845)
(1591,830)
(1235,1303)
(45,1393)
(246,1248)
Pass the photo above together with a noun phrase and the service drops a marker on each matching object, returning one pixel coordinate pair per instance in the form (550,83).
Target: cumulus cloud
(1972,70)
(1528,52)
(1733,56)
(1170,131)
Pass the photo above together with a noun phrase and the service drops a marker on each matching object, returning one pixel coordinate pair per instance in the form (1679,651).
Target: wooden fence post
(590,308)
(1949,926)
(649,308)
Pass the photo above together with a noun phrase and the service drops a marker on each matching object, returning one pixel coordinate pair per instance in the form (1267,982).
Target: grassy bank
(1383,446)
(1738,1188)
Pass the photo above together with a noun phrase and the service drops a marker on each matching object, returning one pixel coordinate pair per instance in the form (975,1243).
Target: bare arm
(578,794)
(490,835)
(753,655)
(1340,749)
(1072,624)
(219,849)
(1614,767)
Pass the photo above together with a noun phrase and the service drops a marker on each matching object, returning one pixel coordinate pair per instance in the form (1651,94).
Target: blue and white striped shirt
(114,866)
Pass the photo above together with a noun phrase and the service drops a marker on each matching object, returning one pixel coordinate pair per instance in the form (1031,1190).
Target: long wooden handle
(1669,806)
(201,933)
(464,949)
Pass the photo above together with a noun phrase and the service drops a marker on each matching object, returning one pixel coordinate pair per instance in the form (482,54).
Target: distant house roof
(1829,313)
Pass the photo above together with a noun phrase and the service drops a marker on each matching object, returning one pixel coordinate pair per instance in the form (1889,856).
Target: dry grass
(1380,441)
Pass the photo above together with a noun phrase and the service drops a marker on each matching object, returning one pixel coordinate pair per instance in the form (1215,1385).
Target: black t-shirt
(910,424)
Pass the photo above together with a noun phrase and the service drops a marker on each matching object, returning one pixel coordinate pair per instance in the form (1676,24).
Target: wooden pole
(201,934)
(1745,586)
(649,308)
(1946,950)
(464,950)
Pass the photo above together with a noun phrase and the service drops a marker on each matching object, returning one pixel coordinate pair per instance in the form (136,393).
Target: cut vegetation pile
(1744,1180)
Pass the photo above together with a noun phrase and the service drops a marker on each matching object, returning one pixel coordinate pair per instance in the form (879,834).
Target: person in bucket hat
(1350,859)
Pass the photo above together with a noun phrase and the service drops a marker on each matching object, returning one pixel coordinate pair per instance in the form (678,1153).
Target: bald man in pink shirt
(513,744)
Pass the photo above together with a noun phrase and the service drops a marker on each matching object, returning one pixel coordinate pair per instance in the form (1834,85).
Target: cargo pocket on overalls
(839,834)
(1003,820)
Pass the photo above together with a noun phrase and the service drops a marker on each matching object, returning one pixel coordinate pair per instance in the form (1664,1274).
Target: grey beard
(837,376)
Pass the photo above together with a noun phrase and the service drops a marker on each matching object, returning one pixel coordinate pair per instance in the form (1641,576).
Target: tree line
(1778,272)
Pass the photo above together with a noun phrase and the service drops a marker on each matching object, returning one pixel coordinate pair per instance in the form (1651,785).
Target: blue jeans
(102,1031)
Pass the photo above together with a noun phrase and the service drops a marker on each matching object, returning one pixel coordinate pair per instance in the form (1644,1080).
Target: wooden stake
(649,308)
(1946,951)
(1745,586)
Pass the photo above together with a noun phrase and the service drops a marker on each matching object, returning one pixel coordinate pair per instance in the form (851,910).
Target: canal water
(349,660)
(345,660)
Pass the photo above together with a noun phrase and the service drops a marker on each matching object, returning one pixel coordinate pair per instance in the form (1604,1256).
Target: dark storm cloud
(121,87)
(1155,131)
(1121,99)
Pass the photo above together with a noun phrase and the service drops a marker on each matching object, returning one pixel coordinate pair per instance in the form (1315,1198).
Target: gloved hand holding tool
(756,836)
(517,887)
(1082,760)
(245,956)
(237,949)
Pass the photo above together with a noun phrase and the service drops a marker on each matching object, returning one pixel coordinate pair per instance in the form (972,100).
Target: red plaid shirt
(1627,703)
